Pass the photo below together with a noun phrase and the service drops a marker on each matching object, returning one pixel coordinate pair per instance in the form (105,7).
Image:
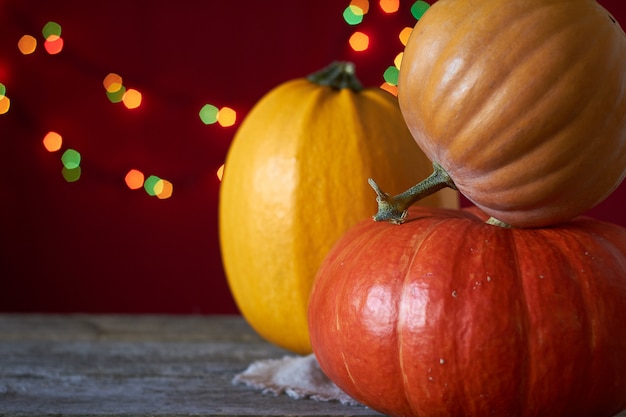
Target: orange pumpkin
(522,103)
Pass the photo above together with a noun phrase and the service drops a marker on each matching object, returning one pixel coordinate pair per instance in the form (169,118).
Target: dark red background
(97,246)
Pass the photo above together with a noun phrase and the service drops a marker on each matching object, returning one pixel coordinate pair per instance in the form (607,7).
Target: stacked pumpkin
(515,307)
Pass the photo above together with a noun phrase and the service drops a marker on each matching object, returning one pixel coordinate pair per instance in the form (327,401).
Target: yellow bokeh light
(226,117)
(134,179)
(163,189)
(112,83)
(27,44)
(220,172)
(359,41)
(364,5)
(5,104)
(390,6)
(398,60)
(404,35)
(132,99)
(52,141)
(391,89)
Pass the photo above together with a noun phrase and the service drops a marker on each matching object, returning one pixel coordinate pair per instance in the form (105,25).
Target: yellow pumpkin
(295,180)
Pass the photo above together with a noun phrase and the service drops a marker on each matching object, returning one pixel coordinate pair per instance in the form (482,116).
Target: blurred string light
(389,6)
(117,93)
(52,141)
(225,116)
(153,185)
(53,41)
(359,41)
(419,8)
(27,44)
(220,172)
(71,160)
(5,102)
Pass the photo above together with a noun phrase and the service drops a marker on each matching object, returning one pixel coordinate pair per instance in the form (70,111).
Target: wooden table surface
(90,365)
(138,366)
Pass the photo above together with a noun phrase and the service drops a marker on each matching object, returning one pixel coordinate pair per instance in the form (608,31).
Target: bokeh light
(226,117)
(116,96)
(53,45)
(391,75)
(5,104)
(3,90)
(220,172)
(364,5)
(397,61)
(112,83)
(359,41)
(134,179)
(208,114)
(353,15)
(132,98)
(52,141)
(163,189)
(71,159)
(51,29)
(71,174)
(391,89)
(150,183)
(404,35)
(27,44)
(390,6)
(419,8)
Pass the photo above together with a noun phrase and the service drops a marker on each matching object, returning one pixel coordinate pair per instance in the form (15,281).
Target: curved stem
(338,75)
(394,209)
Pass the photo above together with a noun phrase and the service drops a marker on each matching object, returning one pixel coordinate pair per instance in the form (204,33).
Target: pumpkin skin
(295,180)
(449,316)
(522,102)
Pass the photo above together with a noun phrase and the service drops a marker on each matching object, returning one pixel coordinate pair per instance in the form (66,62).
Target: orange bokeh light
(5,104)
(364,5)
(112,83)
(132,99)
(404,35)
(359,41)
(391,89)
(27,44)
(220,172)
(226,117)
(163,189)
(390,6)
(134,179)
(52,141)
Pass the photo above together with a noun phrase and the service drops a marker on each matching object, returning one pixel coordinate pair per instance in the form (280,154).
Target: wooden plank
(139,366)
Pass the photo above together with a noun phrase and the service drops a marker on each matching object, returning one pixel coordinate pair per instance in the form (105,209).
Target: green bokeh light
(71,159)
(3,90)
(50,29)
(208,114)
(353,15)
(419,8)
(71,175)
(391,75)
(117,96)
(150,184)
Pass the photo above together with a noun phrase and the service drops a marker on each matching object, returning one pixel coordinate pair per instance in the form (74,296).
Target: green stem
(337,75)
(394,209)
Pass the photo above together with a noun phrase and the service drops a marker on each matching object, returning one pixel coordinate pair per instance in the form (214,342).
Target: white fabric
(297,376)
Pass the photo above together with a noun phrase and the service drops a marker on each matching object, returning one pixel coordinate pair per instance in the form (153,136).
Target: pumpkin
(522,103)
(447,315)
(297,164)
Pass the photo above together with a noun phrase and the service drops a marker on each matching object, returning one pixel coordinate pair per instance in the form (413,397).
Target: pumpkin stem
(495,222)
(338,75)
(394,209)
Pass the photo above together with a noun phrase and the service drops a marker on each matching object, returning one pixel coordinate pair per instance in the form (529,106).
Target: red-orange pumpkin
(450,316)
(522,102)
